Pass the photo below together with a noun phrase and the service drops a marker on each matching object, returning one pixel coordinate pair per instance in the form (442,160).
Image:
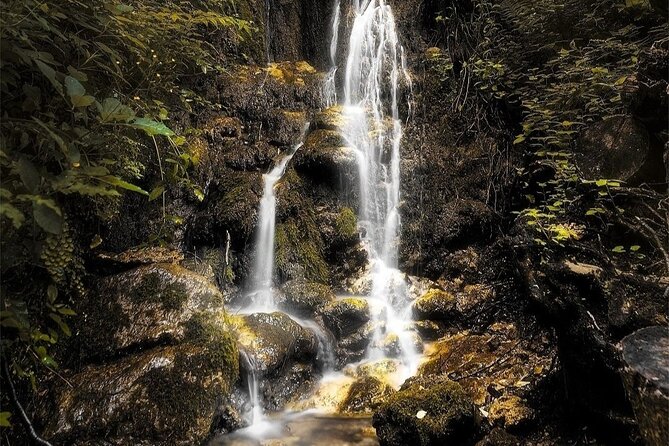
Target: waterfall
(375,67)
(330,89)
(263,267)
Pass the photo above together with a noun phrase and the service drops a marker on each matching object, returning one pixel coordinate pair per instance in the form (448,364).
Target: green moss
(346,224)
(211,331)
(448,413)
(299,243)
(153,289)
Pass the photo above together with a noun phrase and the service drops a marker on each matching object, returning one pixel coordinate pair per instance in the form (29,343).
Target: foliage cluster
(582,56)
(91,96)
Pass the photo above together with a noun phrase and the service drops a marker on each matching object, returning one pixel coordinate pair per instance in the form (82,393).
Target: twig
(36,439)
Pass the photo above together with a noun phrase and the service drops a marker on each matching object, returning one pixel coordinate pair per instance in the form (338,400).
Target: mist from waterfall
(375,68)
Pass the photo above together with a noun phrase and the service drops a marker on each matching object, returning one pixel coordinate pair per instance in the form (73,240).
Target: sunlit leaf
(151,127)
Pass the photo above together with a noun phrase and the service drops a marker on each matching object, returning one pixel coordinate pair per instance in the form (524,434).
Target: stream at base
(306,429)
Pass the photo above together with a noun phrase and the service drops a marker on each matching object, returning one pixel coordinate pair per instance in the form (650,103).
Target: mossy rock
(331,118)
(344,316)
(303,298)
(272,340)
(346,225)
(327,158)
(426,412)
(299,251)
(510,412)
(436,304)
(168,395)
(365,395)
(143,307)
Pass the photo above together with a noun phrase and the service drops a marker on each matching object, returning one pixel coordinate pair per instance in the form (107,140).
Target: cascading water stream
(330,88)
(375,66)
(262,299)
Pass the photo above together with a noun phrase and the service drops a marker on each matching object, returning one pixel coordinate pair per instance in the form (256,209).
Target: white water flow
(261,296)
(330,89)
(375,67)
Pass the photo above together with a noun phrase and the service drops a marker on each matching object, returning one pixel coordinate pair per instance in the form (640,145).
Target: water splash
(375,68)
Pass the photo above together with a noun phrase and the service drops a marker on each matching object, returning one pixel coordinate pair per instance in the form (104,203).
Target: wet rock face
(646,377)
(143,307)
(166,395)
(304,298)
(281,353)
(274,339)
(426,412)
(493,364)
(614,148)
(344,316)
(365,395)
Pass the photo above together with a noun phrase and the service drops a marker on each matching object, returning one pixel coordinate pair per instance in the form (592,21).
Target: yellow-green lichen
(346,223)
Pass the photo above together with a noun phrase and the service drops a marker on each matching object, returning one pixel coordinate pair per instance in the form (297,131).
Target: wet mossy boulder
(143,307)
(326,157)
(365,395)
(344,316)
(509,360)
(303,298)
(271,340)
(281,353)
(166,395)
(434,305)
(426,412)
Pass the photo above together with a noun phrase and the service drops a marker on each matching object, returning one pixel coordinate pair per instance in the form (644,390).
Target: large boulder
(492,364)
(614,148)
(365,395)
(344,316)
(426,412)
(166,395)
(303,298)
(327,156)
(281,353)
(143,307)
(646,377)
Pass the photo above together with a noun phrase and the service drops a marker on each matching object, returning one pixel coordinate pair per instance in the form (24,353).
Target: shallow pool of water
(304,429)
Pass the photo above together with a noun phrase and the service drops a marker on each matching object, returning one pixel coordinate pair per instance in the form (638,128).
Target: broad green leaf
(63,326)
(618,249)
(66,311)
(52,293)
(635,248)
(151,127)
(48,215)
(519,139)
(28,173)
(78,75)
(82,101)
(74,87)
(111,110)
(601,183)
(50,74)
